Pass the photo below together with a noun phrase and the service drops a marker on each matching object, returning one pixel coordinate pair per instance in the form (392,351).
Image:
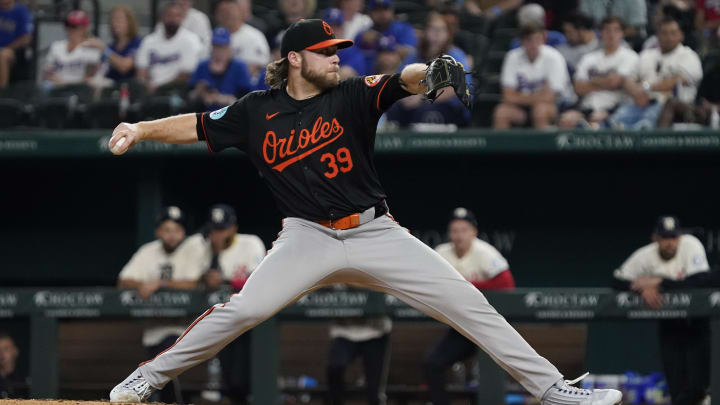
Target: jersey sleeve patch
(372,81)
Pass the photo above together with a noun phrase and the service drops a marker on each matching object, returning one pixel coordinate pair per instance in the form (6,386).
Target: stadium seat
(501,38)
(493,62)
(83,92)
(12,112)
(474,23)
(105,113)
(483,108)
(161,106)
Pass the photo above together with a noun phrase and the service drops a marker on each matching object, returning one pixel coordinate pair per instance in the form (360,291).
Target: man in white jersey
(671,71)
(600,76)
(168,55)
(229,257)
(68,62)
(247,42)
(165,262)
(482,265)
(533,79)
(684,343)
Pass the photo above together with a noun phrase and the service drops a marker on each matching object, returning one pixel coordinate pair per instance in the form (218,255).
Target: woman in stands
(120,54)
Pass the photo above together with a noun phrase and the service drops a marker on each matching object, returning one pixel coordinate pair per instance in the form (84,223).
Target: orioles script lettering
(286,151)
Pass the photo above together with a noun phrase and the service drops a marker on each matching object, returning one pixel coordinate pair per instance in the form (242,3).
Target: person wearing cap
(673,256)
(16,27)
(483,266)
(167,262)
(120,54)
(68,62)
(352,61)
(312,139)
(228,257)
(169,55)
(382,14)
(221,79)
(248,43)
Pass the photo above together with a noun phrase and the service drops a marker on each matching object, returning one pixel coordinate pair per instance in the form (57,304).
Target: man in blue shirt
(16,29)
(384,25)
(220,80)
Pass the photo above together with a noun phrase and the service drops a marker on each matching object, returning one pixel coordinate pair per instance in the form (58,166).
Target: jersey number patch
(343,156)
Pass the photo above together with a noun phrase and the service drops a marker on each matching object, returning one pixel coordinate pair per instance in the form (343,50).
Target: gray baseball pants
(379,255)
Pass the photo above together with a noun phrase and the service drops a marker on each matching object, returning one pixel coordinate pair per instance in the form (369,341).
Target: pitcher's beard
(320,80)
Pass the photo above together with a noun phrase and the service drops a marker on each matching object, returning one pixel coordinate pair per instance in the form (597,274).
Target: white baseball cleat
(134,389)
(563,393)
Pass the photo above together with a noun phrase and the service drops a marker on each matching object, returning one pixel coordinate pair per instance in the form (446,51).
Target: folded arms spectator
(600,76)
(673,70)
(533,79)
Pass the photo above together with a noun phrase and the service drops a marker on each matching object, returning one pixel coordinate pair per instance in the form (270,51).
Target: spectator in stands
(707,102)
(67,61)
(166,262)
(289,11)
(220,80)
(673,70)
(633,12)
(490,8)
(579,31)
(684,343)
(600,77)
(228,257)
(436,40)
(482,265)
(120,54)
(385,25)
(368,338)
(248,43)
(355,21)
(250,18)
(534,79)
(168,56)
(10,381)
(678,11)
(534,15)
(352,60)
(194,21)
(707,19)
(16,27)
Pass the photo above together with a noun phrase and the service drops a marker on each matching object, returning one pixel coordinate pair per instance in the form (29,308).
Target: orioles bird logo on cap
(328,29)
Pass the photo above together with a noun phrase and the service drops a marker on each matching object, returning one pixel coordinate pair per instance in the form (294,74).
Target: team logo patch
(217,114)
(328,29)
(371,81)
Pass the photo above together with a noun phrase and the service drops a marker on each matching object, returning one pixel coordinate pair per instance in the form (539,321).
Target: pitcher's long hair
(277,73)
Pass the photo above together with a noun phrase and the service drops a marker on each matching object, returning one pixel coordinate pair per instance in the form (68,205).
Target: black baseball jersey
(316,155)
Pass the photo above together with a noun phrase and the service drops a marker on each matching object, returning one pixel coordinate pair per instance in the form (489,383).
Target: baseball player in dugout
(671,258)
(483,266)
(311,137)
(368,338)
(163,263)
(229,258)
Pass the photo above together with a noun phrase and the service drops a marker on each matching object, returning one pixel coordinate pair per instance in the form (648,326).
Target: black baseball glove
(443,72)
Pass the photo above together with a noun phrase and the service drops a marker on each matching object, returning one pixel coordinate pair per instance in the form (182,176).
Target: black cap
(222,216)
(464,214)
(667,227)
(171,213)
(311,35)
